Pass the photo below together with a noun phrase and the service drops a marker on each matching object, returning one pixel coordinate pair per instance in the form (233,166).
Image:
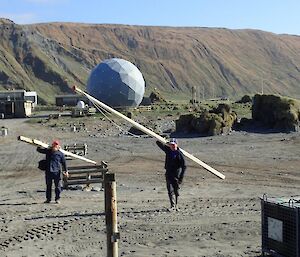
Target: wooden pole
(111,214)
(194,96)
(149,132)
(44,145)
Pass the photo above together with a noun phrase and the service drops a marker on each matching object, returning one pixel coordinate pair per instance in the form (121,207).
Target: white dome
(117,82)
(80,104)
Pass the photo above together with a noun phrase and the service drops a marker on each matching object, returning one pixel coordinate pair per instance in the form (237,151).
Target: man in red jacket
(55,159)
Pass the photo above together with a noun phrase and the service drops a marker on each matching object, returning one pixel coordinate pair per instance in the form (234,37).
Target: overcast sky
(278,16)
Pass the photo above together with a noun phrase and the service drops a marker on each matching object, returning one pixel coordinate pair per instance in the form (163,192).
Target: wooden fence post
(111,214)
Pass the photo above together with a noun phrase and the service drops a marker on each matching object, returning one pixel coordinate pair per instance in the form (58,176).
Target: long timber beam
(44,145)
(148,132)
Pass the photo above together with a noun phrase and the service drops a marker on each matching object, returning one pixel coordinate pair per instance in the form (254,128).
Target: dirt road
(217,217)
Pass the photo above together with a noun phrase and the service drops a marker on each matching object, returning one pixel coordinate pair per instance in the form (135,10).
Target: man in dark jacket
(175,168)
(54,160)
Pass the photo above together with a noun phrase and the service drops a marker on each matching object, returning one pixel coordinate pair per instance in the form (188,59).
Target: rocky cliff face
(50,57)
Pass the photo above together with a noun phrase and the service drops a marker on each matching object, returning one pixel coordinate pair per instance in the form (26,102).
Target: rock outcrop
(214,122)
(276,112)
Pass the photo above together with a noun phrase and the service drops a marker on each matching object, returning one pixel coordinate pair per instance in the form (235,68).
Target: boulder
(276,112)
(184,123)
(156,96)
(245,99)
(214,122)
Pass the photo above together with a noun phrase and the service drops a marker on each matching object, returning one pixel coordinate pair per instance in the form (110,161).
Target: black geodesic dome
(117,82)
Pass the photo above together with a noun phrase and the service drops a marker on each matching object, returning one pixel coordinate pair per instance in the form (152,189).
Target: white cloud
(22,18)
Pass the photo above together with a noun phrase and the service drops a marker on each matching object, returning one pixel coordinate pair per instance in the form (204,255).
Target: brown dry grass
(216,61)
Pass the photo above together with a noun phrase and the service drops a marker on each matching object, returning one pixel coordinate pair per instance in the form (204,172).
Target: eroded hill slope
(50,57)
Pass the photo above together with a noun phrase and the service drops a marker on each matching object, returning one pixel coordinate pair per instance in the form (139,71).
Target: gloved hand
(180,181)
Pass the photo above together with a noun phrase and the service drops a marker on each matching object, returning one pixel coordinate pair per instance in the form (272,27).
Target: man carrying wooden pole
(111,214)
(55,159)
(148,132)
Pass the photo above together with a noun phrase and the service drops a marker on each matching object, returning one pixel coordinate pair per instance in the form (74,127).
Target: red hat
(55,143)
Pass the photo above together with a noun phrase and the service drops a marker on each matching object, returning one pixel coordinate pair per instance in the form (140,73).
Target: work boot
(57,201)
(172,208)
(47,201)
(172,201)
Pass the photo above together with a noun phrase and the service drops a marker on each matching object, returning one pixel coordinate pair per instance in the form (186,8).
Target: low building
(15,109)
(70,100)
(17,103)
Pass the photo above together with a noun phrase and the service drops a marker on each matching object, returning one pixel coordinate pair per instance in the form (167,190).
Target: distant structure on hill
(117,83)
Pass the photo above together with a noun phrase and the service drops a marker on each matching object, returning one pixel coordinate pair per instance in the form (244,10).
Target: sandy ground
(217,217)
